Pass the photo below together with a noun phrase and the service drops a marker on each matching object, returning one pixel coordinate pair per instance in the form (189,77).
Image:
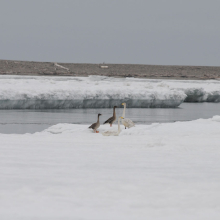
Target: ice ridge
(39,92)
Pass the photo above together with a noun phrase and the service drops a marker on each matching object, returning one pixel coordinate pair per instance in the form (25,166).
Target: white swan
(126,121)
(113,133)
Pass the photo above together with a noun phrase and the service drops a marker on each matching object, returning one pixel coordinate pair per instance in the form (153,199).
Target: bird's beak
(122,103)
(121,117)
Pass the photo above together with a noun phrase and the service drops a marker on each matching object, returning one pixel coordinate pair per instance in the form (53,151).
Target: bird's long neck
(114,112)
(98,118)
(119,127)
(123,115)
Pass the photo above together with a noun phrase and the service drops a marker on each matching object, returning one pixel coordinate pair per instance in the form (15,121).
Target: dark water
(30,121)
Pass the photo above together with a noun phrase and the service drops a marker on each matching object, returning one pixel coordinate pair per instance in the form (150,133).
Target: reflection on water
(30,121)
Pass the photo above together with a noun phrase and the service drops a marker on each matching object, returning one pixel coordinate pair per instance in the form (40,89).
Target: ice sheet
(39,92)
(157,171)
(84,92)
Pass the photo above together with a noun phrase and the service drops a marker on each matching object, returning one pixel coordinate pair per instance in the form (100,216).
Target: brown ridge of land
(9,67)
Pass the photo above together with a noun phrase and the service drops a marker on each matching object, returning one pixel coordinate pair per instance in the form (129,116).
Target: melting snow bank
(25,92)
(158,171)
(83,92)
(198,91)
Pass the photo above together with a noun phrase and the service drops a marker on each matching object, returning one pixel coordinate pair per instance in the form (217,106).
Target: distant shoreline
(10,67)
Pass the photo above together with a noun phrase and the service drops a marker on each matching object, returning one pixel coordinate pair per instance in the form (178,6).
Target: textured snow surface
(158,171)
(39,92)
(84,92)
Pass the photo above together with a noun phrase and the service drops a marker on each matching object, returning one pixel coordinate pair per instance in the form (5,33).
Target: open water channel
(31,121)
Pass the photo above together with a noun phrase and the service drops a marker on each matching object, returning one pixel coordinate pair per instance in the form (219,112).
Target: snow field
(40,92)
(157,171)
(83,92)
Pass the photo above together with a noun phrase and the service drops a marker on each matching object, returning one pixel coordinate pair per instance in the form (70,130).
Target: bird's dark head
(99,114)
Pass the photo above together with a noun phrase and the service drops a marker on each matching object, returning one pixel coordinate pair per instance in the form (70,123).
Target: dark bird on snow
(96,125)
(112,119)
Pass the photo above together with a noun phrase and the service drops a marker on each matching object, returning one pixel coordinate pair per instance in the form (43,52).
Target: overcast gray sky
(166,32)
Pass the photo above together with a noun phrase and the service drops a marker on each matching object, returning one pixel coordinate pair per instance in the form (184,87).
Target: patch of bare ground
(9,67)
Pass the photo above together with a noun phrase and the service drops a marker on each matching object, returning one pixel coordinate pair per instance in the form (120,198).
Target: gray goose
(112,119)
(96,125)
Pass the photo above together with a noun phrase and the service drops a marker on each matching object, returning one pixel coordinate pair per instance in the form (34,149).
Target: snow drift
(159,171)
(198,91)
(34,92)
(83,92)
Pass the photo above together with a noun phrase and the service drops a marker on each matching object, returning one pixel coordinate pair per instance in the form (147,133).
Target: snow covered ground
(158,171)
(40,92)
